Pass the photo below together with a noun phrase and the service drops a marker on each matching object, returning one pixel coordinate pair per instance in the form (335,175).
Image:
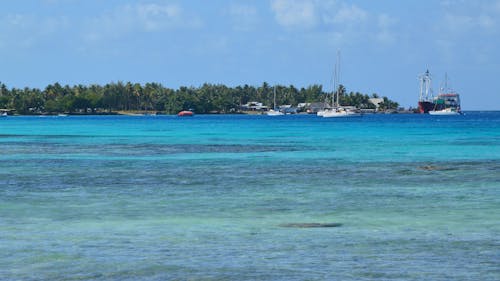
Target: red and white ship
(446,103)
(425,99)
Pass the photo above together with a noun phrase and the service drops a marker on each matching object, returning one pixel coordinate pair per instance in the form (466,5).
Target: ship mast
(274,101)
(425,87)
(446,81)
(336,78)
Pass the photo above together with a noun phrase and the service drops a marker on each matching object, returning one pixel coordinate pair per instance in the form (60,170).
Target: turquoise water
(208,197)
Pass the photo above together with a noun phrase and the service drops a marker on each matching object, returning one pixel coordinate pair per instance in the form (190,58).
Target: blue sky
(384,45)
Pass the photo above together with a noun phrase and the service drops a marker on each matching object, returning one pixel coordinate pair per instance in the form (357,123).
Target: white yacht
(275,111)
(341,112)
(337,110)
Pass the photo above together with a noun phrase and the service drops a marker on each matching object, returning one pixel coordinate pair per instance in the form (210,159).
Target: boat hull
(425,106)
(340,113)
(185,113)
(274,113)
(446,111)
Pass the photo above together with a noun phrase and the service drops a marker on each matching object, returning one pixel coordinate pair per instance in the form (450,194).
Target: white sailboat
(337,110)
(274,112)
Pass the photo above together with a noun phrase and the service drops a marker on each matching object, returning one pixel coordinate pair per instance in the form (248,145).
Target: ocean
(244,197)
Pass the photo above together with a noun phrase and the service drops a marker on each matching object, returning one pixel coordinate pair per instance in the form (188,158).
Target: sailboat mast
(274,89)
(334,92)
(338,77)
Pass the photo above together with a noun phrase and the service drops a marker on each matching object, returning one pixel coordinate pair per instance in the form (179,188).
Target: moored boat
(338,110)
(447,102)
(446,111)
(185,113)
(425,102)
(425,106)
(275,111)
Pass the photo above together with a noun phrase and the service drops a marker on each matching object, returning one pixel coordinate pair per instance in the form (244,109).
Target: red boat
(425,106)
(446,99)
(185,113)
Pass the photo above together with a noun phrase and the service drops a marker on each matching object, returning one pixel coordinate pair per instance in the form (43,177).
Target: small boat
(447,102)
(275,111)
(446,111)
(185,113)
(3,114)
(338,110)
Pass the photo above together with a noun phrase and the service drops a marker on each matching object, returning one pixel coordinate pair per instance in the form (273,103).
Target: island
(154,98)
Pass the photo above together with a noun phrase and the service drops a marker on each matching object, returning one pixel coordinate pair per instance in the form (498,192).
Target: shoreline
(158,113)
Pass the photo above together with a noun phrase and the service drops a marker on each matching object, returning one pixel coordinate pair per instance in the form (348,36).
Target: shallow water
(206,198)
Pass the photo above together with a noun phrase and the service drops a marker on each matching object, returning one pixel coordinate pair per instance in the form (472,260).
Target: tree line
(208,98)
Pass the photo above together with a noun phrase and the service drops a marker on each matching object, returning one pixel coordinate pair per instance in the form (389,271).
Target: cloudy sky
(384,44)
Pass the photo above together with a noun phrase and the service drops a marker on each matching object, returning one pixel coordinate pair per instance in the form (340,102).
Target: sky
(384,45)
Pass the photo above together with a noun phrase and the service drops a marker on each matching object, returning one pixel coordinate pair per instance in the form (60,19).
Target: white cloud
(154,17)
(339,22)
(350,14)
(295,13)
(309,14)
(472,17)
(469,30)
(142,17)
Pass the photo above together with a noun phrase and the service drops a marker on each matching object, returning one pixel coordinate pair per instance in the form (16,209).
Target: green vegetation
(208,98)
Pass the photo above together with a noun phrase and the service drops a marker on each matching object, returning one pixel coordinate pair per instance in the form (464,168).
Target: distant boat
(62,115)
(447,102)
(341,112)
(425,102)
(320,113)
(446,111)
(185,113)
(3,114)
(337,110)
(275,111)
